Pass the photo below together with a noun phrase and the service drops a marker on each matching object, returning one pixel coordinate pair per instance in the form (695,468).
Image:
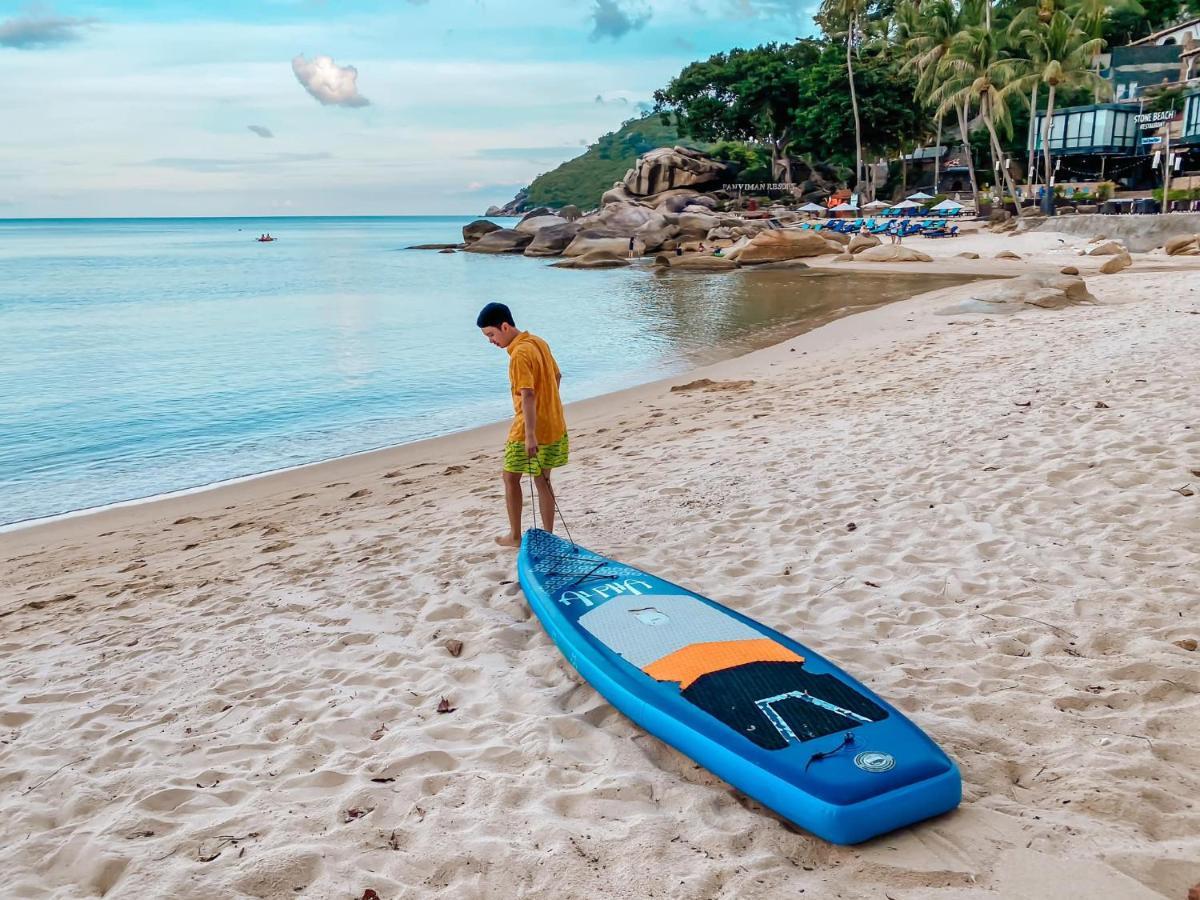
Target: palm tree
(838,18)
(925,31)
(1062,54)
(976,69)
(1033,15)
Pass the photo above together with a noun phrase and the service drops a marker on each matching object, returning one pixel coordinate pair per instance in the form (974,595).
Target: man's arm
(529,411)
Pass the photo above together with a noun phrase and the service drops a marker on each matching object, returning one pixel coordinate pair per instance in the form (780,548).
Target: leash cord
(530,465)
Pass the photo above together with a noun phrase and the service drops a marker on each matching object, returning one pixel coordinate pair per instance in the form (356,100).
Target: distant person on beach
(537,441)
(631,248)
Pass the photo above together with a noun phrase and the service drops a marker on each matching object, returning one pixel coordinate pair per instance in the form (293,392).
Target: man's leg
(545,499)
(513,500)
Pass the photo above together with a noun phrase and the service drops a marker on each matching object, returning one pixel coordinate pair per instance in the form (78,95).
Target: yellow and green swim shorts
(549,456)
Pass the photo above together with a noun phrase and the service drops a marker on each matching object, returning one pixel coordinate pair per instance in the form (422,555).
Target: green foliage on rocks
(582,180)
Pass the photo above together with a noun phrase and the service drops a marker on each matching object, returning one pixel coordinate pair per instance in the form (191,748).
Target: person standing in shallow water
(537,441)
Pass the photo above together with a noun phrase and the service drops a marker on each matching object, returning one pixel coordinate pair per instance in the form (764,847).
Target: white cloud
(331,84)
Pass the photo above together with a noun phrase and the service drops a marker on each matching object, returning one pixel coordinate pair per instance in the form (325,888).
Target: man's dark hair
(494,315)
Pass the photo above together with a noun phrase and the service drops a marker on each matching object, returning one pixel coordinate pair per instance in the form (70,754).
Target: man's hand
(531,448)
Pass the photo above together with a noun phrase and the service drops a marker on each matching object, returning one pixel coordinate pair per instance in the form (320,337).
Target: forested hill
(582,180)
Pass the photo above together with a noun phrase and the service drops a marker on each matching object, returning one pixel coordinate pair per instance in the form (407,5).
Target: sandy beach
(991,520)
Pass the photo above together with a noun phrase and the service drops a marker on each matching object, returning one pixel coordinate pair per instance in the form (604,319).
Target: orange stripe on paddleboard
(689,663)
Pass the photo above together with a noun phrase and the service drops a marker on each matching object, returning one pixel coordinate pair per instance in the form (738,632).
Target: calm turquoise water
(144,356)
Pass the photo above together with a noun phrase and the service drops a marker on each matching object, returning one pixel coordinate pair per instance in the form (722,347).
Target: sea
(140,357)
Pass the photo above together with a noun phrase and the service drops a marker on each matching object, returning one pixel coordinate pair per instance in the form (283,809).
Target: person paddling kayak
(537,441)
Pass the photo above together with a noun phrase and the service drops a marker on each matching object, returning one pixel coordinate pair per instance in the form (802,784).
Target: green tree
(844,19)
(742,95)
(824,121)
(975,69)
(926,32)
(1061,55)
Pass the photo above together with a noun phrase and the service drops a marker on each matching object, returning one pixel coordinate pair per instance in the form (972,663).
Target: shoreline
(458,443)
(985,518)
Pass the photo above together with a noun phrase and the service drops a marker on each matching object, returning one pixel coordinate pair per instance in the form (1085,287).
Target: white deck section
(647,628)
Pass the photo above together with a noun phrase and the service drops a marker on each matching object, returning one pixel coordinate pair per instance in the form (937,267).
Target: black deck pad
(737,697)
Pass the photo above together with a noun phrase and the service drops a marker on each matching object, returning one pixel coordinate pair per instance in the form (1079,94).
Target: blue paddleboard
(765,713)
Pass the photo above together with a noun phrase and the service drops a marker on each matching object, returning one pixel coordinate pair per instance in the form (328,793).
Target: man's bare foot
(507,540)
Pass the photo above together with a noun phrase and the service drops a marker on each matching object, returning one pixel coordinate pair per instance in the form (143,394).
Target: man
(537,441)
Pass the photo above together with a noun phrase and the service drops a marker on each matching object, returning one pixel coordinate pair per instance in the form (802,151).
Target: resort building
(1147,135)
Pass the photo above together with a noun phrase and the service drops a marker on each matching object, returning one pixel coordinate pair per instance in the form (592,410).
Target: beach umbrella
(907,204)
(919,195)
(843,207)
(812,207)
(946,205)
(877,204)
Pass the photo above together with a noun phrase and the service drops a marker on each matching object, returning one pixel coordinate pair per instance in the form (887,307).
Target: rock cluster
(1116,264)
(1183,245)
(668,168)
(1032,289)
(894,253)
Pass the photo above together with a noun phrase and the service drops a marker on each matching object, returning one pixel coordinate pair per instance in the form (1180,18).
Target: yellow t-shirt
(531,365)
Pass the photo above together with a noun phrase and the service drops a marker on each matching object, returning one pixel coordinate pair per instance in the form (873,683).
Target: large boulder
(618,193)
(674,167)
(672,201)
(473,231)
(1108,248)
(893,253)
(654,234)
(751,228)
(789,264)
(504,240)
(842,240)
(537,223)
(861,242)
(570,212)
(623,218)
(700,263)
(697,223)
(1183,245)
(1115,264)
(553,240)
(583,245)
(599,259)
(734,251)
(1033,289)
(779,244)
(537,211)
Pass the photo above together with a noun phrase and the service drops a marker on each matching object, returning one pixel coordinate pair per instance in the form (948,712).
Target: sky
(332,107)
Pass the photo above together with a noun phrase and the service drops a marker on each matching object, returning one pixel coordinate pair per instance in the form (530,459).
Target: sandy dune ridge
(235,694)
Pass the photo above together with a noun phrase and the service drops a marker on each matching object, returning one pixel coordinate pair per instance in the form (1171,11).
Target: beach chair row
(933,228)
